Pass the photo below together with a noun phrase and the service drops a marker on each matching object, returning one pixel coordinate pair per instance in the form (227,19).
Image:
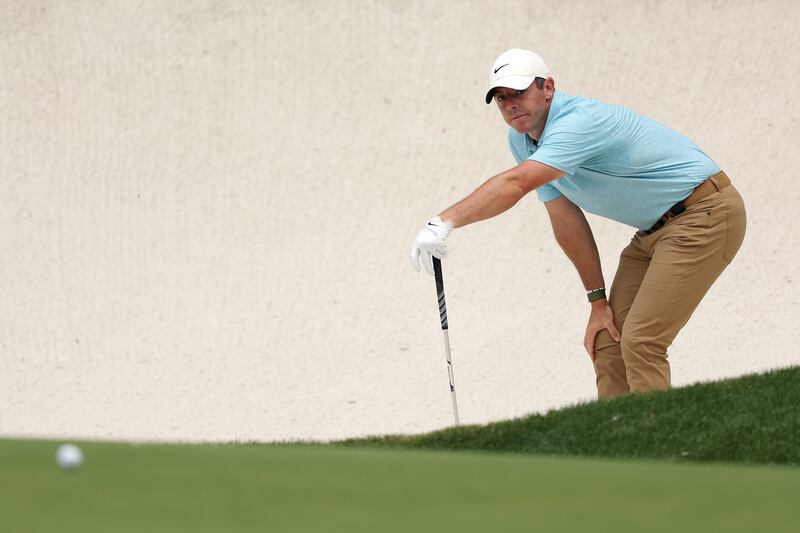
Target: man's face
(525,110)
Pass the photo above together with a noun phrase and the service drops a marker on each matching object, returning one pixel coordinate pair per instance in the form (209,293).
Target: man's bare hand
(602,317)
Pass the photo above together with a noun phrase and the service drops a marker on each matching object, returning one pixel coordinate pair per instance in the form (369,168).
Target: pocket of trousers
(736,222)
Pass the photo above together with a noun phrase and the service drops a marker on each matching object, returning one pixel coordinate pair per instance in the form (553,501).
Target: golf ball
(69,456)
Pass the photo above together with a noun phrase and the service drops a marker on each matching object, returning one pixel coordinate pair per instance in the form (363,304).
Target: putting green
(166,488)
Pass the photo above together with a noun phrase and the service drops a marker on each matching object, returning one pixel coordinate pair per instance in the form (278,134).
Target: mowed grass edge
(752,419)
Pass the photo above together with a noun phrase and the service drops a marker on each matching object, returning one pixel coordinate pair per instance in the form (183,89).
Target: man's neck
(536,134)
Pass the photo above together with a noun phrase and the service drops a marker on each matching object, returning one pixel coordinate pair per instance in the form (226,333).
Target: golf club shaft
(437,270)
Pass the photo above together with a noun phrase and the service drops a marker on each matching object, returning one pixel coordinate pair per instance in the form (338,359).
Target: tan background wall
(207,208)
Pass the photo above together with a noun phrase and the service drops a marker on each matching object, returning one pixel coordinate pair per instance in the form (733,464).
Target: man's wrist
(447,218)
(439,227)
(595,295)
(440,221)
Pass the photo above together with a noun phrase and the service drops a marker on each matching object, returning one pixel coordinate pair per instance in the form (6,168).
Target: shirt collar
(555,108)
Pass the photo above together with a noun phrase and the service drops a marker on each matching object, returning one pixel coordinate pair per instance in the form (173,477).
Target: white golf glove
(430,243)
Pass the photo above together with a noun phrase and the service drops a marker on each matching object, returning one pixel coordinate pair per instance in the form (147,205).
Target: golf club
(437,270)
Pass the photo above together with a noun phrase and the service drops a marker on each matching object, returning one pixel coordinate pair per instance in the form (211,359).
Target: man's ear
(549,88)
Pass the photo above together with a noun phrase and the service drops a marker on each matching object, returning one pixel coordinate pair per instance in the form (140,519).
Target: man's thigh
(688,255)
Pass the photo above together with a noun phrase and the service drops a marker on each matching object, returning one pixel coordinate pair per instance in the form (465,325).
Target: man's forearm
(497,195)
(586,260)
(500,193)
(575,237)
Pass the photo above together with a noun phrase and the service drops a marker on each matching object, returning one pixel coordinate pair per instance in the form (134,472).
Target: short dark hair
(539,82)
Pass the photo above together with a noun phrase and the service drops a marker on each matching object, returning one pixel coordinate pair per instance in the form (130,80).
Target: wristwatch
(596,294)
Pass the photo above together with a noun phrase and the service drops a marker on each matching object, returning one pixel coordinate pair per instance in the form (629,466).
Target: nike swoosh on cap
(498,68)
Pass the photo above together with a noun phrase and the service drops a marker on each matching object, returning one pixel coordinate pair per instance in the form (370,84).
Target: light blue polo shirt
(618,164)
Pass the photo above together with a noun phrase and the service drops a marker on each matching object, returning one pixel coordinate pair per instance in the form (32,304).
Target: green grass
(239,488)
(378,485)
(754,419)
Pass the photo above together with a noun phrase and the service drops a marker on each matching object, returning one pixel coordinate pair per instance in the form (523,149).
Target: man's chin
(521,124)
(521,128)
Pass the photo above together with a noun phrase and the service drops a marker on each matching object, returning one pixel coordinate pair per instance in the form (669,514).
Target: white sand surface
(207,209)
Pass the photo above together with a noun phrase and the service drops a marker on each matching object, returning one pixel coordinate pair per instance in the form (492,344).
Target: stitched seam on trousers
(725,251)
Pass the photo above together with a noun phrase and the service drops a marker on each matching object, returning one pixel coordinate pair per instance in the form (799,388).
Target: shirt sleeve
(545,192)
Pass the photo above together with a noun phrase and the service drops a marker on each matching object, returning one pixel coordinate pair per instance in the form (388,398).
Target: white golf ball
(69,456)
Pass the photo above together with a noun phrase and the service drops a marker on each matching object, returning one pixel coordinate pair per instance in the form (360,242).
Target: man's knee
(605,344)
(636,343)
(645,360)
(609,367)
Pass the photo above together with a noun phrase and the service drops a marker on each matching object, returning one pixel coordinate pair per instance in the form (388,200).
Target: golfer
(580,154)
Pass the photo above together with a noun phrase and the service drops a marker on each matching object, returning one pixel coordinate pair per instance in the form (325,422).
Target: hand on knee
(600,320)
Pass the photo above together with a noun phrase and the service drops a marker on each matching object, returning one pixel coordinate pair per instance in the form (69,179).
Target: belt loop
(714,179)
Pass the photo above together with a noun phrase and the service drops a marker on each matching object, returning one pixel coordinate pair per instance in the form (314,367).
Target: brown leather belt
(713,184)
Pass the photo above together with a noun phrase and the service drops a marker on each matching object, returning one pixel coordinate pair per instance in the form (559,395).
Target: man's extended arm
(495,196)
(575,237)
(500,193)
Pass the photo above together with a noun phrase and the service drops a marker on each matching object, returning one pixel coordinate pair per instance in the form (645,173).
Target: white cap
(516,69)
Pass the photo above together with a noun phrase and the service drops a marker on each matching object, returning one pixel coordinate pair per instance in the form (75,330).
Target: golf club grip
(437,274)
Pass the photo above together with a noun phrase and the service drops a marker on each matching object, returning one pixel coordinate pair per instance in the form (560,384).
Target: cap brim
(511,82)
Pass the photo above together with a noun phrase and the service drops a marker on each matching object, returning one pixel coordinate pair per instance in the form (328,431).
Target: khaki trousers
(660,280)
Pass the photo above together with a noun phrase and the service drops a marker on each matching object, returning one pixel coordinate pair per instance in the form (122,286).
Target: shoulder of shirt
(569,105)
(574,111)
